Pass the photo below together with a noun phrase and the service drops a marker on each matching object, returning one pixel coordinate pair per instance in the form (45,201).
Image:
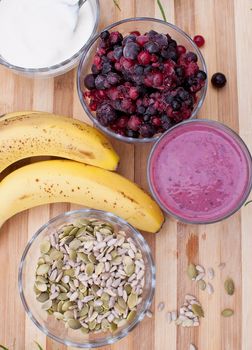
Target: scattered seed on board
(202,285)
(174,315)
(227,313)
(161,306)
(192,271)
(221,266)
(200,268)
(168,317)
(86,282)
(149,314)
(200,276)
(229,286)
(210,273)
(209,288)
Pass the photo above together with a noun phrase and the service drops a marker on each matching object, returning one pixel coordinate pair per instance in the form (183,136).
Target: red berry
(199,40)
(156,121)
(144,58)
(97,60)
(93,106)
(142,39)
(134,123)
(126,63)
(181,50)
(122,122)
(136,33)
(133,93)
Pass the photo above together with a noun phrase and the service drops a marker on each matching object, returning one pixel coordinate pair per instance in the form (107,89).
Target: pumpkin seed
(69,272)
(74,324)
(47,305)
(92,258)
(56,254)
(42,287)
(89,269)
(197,310)
(42,297)
(84,310)
(41,279)
(91,325)
(84,330)
(43,269)
(67,305)
(73,254)
(132,301)
(58,315)
(227,313)
(229,286)
(62,296)
(129,269)
(83,257)
(112,327)
(59,306)
(75,244)
(68,315)
(202,284)
(131,316)
(122,303)
(45,246)
(99,268)
(192,271)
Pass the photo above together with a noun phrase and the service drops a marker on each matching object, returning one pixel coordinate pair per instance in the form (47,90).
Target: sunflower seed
(200,268)
(174,315)
(148,314)
(210,273)
(192,347)
(168,317)
(209,289)
(161,306)
(200,276)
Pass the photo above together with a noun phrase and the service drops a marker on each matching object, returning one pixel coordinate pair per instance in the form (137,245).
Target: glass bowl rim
(124,331)
(241,143)
(92,42)
(50,69)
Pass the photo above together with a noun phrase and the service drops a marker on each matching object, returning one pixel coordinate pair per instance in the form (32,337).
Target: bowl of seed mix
(86,278)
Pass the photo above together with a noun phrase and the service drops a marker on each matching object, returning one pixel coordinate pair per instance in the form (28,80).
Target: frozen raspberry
(134,123)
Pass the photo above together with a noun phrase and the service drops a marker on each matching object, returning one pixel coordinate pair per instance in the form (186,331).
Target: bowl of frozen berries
(139,77)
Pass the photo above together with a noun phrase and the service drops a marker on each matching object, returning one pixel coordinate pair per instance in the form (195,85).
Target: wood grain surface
(227,28)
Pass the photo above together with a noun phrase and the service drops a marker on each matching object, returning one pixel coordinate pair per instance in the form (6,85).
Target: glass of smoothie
(200,172)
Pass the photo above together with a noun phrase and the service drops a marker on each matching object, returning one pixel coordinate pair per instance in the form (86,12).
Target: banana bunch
(27,134)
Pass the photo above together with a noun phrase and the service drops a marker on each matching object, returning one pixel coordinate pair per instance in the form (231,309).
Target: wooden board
(227,27)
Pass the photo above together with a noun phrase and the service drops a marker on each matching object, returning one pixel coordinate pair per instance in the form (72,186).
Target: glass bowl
(242,190)
(48,324)
(141,24)
(61,67)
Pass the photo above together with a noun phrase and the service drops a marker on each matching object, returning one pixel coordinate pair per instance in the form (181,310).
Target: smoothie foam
(200,171)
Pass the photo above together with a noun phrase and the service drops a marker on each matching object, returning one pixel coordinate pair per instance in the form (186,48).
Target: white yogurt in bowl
(39,34)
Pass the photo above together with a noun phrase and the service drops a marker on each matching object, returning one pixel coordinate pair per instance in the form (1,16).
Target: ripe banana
(28,134)
(55,181)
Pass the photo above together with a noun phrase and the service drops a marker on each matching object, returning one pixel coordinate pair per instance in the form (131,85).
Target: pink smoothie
(200,172)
